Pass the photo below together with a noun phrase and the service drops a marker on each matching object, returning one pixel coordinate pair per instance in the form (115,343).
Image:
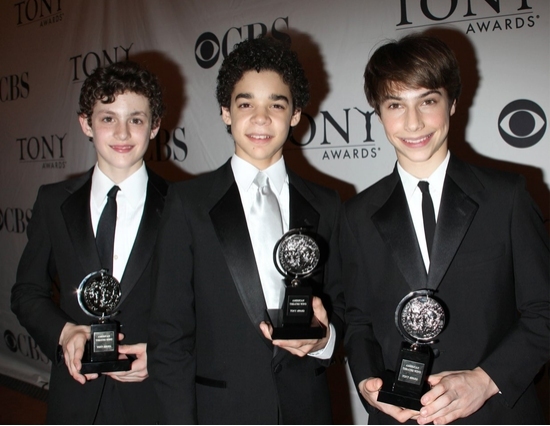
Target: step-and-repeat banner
(48,47)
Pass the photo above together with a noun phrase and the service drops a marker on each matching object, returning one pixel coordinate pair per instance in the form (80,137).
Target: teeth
(416,140)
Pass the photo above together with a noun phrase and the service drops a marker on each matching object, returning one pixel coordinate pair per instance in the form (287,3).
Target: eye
(522,123)
(136,121)
(107,119)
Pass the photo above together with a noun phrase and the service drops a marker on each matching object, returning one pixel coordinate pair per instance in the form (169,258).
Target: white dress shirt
(414,199)
(244,174)
(130,202)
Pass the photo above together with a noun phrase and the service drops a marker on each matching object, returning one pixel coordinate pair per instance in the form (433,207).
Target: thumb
(373,385)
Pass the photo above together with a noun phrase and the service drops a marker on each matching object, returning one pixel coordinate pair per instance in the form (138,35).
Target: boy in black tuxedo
(120,110)
(484,255)
(211,353)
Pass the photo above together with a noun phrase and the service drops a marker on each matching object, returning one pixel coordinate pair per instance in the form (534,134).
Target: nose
(261,116)
(413,119)
(122,131)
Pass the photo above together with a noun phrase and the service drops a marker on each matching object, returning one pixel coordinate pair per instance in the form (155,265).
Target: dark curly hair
(105,83)
(415,61)
(263,54)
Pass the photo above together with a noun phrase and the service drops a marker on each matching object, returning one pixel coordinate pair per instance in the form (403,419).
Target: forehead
(402,91)
(127,100)
(262,82)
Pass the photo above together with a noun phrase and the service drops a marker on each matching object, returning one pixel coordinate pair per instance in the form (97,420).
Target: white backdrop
(48,47)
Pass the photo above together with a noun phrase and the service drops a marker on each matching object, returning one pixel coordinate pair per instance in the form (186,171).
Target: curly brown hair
(105,83)
(263,54)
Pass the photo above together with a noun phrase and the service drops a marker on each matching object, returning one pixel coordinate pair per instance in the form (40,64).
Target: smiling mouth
(417,141)
(122,148)
(260,138)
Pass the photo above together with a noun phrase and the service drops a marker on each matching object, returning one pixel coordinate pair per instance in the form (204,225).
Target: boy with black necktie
(120,111)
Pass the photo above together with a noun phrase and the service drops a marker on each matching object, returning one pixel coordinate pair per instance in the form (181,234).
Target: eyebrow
(110,111)
(421,96)
(273,97)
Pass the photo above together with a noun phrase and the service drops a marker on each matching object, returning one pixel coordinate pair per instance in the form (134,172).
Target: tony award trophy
(98,296)
(296,256)
(420,319)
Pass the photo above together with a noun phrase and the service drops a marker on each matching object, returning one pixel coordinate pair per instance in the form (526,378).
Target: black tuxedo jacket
(61,247)
(489,265)
(207,356)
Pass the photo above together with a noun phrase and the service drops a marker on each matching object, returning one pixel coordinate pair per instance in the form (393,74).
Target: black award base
(284,331)
(405,387)
(106,366)
(101,351)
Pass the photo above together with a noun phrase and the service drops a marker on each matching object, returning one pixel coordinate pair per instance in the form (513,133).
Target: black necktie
(428,214)
(105,235)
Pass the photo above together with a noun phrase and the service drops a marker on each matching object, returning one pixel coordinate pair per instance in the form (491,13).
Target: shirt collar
(133,187)
(245,173)
(436,179)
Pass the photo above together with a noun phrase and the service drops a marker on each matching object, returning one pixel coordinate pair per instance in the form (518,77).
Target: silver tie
(266,228)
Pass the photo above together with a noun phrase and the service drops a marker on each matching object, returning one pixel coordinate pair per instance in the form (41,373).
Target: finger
(296,351)
(91,376)
(319,311)
(266,330)
(296,343)
(374,384)
(128,349)
(433,394)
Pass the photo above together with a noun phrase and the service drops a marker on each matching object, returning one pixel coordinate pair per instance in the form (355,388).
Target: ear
(154,130)
(86,129)
(453,108)
(226,116)
(296,115)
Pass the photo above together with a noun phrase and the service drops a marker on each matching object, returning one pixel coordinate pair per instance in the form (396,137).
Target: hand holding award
(420,319)
(296,256)
(99,296)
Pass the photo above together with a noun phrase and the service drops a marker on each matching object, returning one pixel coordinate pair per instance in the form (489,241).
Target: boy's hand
(302,347)
(369,389)
(73,341)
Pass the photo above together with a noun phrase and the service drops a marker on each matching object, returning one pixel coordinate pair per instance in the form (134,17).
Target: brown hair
(106,83)
(414,61)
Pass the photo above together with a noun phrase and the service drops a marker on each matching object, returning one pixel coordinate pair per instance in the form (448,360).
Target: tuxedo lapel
(393,222)
(76,208)
(229,222)
(142,250)
(302,213)
(456,212)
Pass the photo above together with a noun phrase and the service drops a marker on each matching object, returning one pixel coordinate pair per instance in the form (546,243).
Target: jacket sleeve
(31,295)
(526,347)
(171,341)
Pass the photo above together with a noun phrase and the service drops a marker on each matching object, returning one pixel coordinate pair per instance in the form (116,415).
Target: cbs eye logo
(522,123)
(207,50)
(11,341)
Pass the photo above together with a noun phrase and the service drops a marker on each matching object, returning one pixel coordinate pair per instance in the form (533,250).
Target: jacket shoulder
(65,187)
(375,194)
